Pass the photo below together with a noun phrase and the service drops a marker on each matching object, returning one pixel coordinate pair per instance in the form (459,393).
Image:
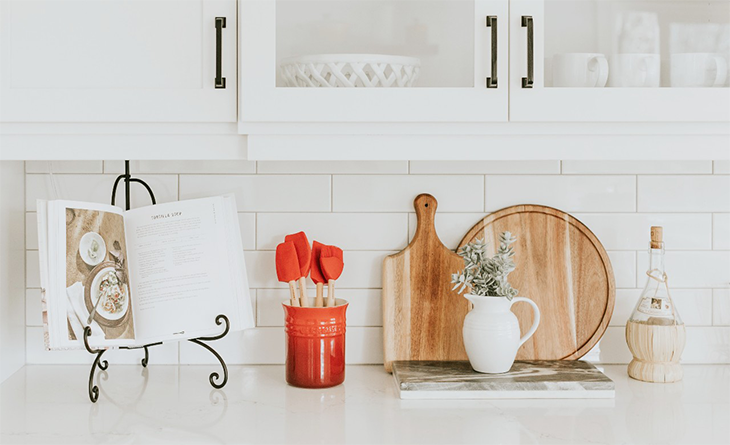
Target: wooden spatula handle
(319,301)
(303,292)
(330,293)
(293,300)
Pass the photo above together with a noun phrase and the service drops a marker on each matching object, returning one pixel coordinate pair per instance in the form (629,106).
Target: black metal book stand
(220,319)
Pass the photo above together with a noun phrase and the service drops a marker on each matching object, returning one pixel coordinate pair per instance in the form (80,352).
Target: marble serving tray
(539,379)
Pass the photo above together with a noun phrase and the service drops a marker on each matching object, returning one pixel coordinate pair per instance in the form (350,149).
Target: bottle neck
(656,260)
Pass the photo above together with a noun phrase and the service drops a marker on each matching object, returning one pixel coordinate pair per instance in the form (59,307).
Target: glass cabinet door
(373,60)
(620,61)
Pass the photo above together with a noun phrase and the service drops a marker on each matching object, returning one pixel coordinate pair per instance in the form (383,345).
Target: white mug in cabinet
(634,70)
(698,70)
(587,70)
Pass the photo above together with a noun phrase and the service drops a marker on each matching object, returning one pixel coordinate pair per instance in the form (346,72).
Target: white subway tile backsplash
(31,230)
(486,167)
(704,345)
(367,209)
(180,167)
(722,167)
(709,269)
(333,167)
(630,231)
(266,345)
(63,167)
(624,268)
(721,307)
(693,305)
(707,345)
(450,227)
(637,167)
(96,188)
(263,193)
(567,193)
(611,349)
(33,308)
(349,231)
(32,269)
(362,270)
(247,225)
(684,193)
(365,307)
(721,231)
(252,346)
(382,193)
(364,346)
(261,269)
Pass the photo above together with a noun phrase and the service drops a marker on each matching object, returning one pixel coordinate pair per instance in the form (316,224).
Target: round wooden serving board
(563,268)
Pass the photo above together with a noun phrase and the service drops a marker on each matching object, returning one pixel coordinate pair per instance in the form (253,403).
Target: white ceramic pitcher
(492,333)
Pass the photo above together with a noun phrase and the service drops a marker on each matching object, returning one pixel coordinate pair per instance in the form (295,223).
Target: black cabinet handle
(528,82)
(492,23)
(220,23)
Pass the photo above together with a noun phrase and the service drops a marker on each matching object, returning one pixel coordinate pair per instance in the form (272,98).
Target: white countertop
(175,404)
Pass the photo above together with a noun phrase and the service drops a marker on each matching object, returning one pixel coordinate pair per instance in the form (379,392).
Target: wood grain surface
(422,316)
(563,268)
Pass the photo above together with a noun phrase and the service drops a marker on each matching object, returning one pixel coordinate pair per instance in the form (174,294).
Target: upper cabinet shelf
(118,61)
(443,44)
(486,61)
(620,61)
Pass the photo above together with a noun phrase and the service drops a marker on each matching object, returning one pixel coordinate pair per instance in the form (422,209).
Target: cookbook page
(180,270)
(91,275)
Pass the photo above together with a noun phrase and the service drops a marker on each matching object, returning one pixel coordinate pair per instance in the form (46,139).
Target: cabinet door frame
(204,103)
(261,101)
(540,104)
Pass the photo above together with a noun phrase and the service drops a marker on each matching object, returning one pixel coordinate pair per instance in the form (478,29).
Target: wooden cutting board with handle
(422,316)
(563,268)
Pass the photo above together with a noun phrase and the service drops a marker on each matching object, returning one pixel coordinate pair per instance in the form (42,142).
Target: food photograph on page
(97,283)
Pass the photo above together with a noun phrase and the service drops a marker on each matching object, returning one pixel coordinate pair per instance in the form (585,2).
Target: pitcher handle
(535,322)
(602,65)
(721,75)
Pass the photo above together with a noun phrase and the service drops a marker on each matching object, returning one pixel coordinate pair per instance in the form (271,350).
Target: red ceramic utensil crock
(315,345)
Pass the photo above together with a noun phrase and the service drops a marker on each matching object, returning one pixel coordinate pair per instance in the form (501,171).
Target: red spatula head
(316,272)
(304,252)
(287,266)
(331,262)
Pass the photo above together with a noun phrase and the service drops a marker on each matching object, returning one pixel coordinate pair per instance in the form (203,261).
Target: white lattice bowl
(350,70)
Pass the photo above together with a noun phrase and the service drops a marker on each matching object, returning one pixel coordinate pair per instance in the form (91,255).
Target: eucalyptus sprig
(483,275)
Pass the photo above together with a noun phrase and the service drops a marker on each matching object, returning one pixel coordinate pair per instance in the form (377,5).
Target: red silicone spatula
(287,268)
(304,256)
(316,273)
(332,264)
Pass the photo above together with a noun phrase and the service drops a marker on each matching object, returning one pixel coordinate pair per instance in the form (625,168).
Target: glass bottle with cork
(655,333)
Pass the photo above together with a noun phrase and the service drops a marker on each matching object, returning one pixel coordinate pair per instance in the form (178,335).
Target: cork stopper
(657,233)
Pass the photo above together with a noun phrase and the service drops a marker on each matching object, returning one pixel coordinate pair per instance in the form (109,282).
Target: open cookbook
(151,274)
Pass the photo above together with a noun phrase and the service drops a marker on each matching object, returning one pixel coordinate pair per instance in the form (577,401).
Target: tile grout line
(25,269)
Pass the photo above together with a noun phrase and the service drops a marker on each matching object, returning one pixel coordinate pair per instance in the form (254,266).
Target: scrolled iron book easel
(219,320)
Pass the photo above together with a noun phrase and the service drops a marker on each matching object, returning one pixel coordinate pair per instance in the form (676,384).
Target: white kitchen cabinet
(457,50)
(118,61)
(653,55)
(634,43)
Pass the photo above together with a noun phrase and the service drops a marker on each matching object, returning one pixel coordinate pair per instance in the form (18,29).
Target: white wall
(12,268)
(366,208)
